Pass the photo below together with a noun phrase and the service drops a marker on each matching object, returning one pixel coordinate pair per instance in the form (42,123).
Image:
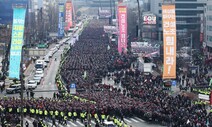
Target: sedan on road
(32,84)
(37,78)
(39,72)
(16,88)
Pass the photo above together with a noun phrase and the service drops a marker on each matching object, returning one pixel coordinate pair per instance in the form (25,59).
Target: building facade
(187,17)
(208,26)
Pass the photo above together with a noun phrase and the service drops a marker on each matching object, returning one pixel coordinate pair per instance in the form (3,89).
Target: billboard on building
(104,13)
(122,20)
(61,20)
(169,40)
(16,42)
(68,15)
(149,19)
(110,29)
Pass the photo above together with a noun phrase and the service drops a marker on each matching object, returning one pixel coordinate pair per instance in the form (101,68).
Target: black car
(16,88)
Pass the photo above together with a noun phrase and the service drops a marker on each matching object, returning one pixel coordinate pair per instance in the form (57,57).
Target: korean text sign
(68,15)
(122,19)
(61,20)
(169,39)
(16,42)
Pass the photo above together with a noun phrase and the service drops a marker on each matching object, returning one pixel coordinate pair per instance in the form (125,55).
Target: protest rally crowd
(140,95)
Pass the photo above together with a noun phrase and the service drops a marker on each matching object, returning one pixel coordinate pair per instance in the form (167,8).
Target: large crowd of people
(140,95)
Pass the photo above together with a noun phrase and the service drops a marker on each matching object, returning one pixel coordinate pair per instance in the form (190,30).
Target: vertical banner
(16,42)
(61,20)
(122,20)
(68,15)
(169,40)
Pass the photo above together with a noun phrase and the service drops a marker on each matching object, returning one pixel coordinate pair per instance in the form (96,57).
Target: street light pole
(139,21)
(22,87)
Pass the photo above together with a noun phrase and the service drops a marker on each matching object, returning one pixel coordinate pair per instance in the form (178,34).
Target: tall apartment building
(208,25)
(187,17)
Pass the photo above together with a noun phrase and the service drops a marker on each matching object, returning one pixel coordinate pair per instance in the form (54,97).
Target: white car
(37,78)
(39,72)
(32,84)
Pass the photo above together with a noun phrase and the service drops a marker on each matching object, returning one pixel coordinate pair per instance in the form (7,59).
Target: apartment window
(209,7)
(209,38)
(209,28)
(209,17)
(159,4)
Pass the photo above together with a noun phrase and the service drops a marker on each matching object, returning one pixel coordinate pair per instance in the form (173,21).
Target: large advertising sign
(149,19)
(61,20)
(16,42)
(169,39)
(68,15)
(122,19)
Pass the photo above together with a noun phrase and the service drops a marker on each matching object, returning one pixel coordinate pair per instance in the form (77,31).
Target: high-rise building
(208,26)
(187,17)
(6,10)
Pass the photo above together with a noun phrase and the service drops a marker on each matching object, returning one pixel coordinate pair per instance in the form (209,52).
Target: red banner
(122,19)
(68,15)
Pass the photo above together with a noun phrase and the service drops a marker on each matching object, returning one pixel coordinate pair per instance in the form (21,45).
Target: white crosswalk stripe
(134,120)
(139,119)
(93,122)
(73,124)
(80,123)
(128,121)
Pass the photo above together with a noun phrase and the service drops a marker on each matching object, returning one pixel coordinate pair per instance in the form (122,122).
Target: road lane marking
(80,123)
(140,119)
(134,120)
(127,120)
(72,123)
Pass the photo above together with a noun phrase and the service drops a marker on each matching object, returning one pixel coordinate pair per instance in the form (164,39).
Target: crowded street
(108,63)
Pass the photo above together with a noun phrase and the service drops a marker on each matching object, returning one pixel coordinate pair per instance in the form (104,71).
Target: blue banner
(61,20)
(16,42)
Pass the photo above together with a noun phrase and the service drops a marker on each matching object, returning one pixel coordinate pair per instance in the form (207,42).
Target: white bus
(40,64)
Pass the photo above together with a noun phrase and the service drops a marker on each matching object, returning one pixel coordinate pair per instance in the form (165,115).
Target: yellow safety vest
(40,112)
(75,114)
(103,117)
(62,114)
(25,110)
(45,113)
(10,109)
(51,113)
(37,111)
(69,114)
(56,113)
(18,110)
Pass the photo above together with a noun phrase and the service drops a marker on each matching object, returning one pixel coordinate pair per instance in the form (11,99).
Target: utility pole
(110,13)
(191,44)
(139,21)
